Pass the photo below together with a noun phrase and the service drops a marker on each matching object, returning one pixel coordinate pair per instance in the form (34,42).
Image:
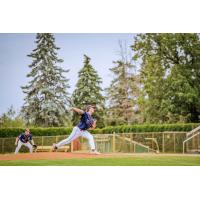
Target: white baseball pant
(76,132)
(20,143)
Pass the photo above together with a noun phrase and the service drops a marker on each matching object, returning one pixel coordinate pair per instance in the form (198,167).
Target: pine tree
(46,93)
(123,91)
(151,99)
(88,91)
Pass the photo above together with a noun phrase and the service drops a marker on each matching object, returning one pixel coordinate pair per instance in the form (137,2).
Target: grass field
(136,160)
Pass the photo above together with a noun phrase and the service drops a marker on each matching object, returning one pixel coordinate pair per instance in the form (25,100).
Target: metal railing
(190,135)
(135,143)
(193,131)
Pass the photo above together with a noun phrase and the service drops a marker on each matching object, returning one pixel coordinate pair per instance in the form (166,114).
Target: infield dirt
(62,155)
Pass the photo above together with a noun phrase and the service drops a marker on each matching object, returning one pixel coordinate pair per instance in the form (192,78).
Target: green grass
(125,161)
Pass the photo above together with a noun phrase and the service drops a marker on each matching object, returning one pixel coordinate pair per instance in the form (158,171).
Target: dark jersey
(86,121)
(25,138)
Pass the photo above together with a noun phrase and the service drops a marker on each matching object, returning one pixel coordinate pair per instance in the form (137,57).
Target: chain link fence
(167,142)
(193,145)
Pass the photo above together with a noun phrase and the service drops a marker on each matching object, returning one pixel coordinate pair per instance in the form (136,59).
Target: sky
(14,48)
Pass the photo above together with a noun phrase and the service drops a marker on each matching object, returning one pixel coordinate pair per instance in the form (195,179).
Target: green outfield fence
(168,142)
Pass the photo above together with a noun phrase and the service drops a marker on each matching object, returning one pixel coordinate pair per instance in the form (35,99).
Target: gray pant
(20,143)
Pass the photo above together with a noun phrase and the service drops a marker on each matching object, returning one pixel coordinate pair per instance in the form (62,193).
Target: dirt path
(47,156)
(61,155)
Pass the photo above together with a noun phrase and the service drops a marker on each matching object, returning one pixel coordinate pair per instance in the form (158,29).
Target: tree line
(157,81)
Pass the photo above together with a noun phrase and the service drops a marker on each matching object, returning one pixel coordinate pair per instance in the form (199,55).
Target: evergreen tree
(88,92)
(123,92)
(46,95)
(151,98)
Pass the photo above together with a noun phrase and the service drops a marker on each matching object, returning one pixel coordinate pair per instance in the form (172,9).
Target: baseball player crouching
(26,140)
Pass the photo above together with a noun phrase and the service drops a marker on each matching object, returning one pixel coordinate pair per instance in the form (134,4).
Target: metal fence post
(113,149)
(42,141)
(163,142)
(72,146)
(123,142)
(186,147)
(174,142)
(152,143)
(3,145)
(131,145)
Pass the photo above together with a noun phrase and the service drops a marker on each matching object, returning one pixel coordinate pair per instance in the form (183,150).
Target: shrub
(13,132)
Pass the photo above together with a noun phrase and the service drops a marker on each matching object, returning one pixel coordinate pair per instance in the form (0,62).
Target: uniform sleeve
(20,136)
(84,114)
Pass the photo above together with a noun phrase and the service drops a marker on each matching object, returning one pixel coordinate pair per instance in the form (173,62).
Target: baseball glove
(35,146)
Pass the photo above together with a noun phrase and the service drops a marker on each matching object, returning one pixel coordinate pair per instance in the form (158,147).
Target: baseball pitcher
(86,122)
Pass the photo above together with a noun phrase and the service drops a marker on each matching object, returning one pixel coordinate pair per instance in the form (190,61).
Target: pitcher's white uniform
(77,132)
(80,130)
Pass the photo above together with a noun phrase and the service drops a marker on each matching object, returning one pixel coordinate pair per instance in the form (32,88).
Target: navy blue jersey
(86,121)
(25,138)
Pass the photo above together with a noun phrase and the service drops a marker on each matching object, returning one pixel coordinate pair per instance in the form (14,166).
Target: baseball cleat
(54,147)
(95,152)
